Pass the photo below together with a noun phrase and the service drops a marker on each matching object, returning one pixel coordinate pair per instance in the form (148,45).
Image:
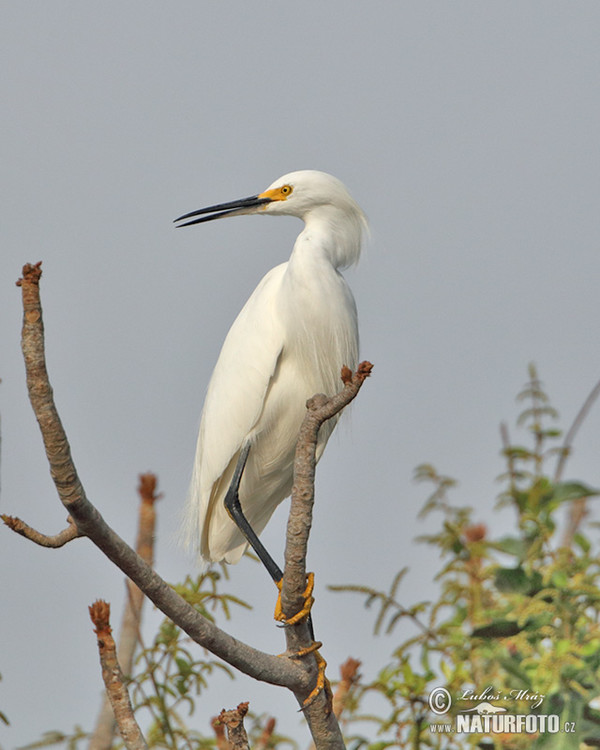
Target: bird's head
(294,194)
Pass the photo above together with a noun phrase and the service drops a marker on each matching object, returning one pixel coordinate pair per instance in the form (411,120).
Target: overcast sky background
(467,131)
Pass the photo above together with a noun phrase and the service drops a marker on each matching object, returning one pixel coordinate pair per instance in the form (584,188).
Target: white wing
(234,402)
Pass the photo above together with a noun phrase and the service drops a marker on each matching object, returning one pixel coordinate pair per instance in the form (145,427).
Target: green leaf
(582,542)
(565,491)
(591,648)
(562,647)
(498,629)
(510,545)
(516,580)
(446,671)
(185,668)
(181,686)
(560,579)
(513,666)
(517,451)
(552,433)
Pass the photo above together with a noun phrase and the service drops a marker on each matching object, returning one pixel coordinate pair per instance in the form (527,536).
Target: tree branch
(129,635)
(297,674)
(144,546)
(320,408)
(89,522)
(318,712)
(265,736)
(234,722)
(52,542)
(573,430)
(221,742)
(350,676)
(113,678)
(577,509)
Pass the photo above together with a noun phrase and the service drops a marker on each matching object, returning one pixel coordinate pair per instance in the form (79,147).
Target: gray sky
(467,131)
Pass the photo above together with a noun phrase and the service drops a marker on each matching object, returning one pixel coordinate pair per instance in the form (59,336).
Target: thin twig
(51,542)
(350,676)
(577,509)
(113,678)
(574,429)
(507,452)
(144,546)
(264,741)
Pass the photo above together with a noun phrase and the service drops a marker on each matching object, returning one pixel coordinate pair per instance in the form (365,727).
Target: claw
(322,681)
(308,602)
(314,646)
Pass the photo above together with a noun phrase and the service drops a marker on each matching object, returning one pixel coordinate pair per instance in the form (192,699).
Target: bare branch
(251,661)
(219,729)
(113,678)
(144,546)
(573,430)
(320,408)
(318,711)
(350,676)
(129,635)
(265,736)
(578,510)
(234,722)
(52,542)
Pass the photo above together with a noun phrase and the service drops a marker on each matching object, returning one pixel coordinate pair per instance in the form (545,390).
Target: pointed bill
(234,208)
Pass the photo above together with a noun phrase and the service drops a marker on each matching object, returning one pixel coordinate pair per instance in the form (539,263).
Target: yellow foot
(322,681)
(314,646)
(308,602)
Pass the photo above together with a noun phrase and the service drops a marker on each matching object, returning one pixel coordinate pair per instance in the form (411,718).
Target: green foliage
(519,614)
(388,605)
(68,741)
(169,675)
(172,672)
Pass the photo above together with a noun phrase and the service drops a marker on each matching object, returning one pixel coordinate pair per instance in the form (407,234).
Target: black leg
(234,508)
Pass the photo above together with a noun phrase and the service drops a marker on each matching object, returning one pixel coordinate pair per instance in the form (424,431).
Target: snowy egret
(290,341)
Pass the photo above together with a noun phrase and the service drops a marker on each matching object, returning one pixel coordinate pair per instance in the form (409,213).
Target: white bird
(289,342)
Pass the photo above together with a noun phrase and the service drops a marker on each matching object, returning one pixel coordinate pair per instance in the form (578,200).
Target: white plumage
(289,342)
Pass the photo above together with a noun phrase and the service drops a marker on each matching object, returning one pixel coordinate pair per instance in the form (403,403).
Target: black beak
(233,208)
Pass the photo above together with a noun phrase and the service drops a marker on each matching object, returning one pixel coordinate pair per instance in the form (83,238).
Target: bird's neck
(332,235)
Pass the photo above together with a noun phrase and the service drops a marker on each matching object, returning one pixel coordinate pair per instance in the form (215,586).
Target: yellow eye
(278,194)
